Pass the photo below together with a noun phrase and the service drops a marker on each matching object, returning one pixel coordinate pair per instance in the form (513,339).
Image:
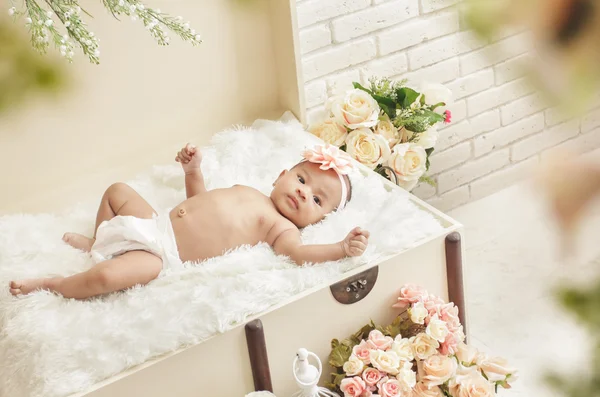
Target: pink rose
(362,352)
(330,157)
(411,293)
(379,341)
(449,314)
(366,393)
(353,387)
(449,346)
(371,376)
(448,117)
(433,304)
(391,388)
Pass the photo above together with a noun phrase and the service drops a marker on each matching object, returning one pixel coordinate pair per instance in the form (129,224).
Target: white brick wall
(500,126)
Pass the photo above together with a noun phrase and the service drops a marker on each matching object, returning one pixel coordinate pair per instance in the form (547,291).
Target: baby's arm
(191,159)
(289,243)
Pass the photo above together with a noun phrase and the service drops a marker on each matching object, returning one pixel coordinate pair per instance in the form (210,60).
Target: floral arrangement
(388,127)
(421,354)
(42,25)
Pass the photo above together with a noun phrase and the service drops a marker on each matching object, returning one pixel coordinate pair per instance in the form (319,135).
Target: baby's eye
(301,179)
(317,200)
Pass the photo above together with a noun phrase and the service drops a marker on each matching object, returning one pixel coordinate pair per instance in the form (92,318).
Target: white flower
(418,313)
(408,160)
(97,53)
(121,3)
(70,54)
(437,329)
(193,31)
(63,48)
(496,369)
(428,138)
(367,148)
(28,20)
(180,18)
(49,22)
(11,11)
(67,24)
(198,37)
(65,37)
(354,366)
(91,34)
(77,9)
(186,26)
(386,361)
(140,7)
(436,93)
(132,8)
(424,346)
(407,377)
(49,14)
(388,130)
(355,110)
(403,348)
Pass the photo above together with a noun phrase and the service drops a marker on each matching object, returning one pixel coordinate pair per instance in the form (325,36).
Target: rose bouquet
(388,127)
(421,354)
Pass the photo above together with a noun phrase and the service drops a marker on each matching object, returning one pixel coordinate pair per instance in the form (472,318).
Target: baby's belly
(201,234)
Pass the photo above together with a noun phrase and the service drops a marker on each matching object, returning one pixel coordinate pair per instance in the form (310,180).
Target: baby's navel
(261,220)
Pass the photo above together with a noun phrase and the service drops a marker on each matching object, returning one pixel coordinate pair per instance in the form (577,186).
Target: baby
(132,243)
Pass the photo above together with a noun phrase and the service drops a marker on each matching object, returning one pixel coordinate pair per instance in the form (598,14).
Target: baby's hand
(355,242)
(189,157)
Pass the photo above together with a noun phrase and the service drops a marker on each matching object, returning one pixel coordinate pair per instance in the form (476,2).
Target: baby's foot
(23,287)
(79,241)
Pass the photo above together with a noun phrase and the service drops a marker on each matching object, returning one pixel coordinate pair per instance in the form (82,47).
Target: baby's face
(305,194)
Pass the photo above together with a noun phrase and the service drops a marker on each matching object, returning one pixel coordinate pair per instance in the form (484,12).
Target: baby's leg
(124,271)
(119,199)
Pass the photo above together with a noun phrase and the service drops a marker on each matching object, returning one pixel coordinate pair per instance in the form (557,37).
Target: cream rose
(408,160)
(424,346)
(355,110)
(437,329)
(418,313)
(388,362)
(420,390)
(354,366)
(473,384)
(428,138)
(407,377)
(403,348)
(438,369)
(496,369)
(466,354)
(386,129)
(330,132)
(367,148)
(436,93)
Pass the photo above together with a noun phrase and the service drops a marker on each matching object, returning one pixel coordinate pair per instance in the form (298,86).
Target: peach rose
(362,351)
(354,366)
(473,384)
(403,348)
(420,390)
(356,109)
(449,346)
(409,162)
(496,369)
(378,340)
(387,362)
(438,369)
(466,354)
(407,377)
(449,314)
(386,129)
(330,131)
(433,304)
(353,387)
(367,148)
(371,376)
(437,329)
(411,293)
(424,346)
(391,388)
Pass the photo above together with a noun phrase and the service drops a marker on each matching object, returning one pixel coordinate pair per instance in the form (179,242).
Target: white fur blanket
(51,346)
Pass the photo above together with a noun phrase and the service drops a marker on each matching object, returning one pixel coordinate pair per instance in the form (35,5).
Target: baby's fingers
(190,149)
(357,248)
(360,238)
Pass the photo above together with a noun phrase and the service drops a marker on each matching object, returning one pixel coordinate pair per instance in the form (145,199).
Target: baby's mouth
(293,201)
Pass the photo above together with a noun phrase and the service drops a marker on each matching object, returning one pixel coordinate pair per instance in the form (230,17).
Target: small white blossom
(67,24)
(140,7)
(65,37)
(186,26)
(49,14)
(167,39)
(198,37)
(132,8)
(77,9)
(49,22)
(121,3)
(67,15)
(28,20)
(91,34)
(70,54)
(193,31)
(180,18)
(63,48)
(63,53)
(11,11)
(97,53)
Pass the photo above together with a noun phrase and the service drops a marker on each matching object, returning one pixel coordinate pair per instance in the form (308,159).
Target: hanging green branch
(42,24)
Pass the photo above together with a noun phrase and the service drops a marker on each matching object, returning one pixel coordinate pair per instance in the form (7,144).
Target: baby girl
(132,243)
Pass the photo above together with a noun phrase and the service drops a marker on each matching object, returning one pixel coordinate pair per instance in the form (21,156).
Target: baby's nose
(301,193)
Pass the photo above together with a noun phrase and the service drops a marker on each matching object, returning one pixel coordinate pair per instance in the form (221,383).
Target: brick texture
(500,126)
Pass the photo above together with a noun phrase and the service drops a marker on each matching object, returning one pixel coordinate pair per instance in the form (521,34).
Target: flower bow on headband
(331,158)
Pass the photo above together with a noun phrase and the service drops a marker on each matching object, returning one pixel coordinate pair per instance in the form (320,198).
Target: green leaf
(427,164)
(339,355)
(360,87)
(437,105)
(433,117)
(428,180)
(406,96)
(337,379)
(386,104)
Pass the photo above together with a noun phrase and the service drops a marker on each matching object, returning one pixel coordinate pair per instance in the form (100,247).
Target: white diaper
(127,233)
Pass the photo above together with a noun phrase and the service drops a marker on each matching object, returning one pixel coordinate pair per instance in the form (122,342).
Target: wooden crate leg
(454,271)
(257,350)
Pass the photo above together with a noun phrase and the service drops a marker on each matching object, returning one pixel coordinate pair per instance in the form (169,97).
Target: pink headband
(331,157)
